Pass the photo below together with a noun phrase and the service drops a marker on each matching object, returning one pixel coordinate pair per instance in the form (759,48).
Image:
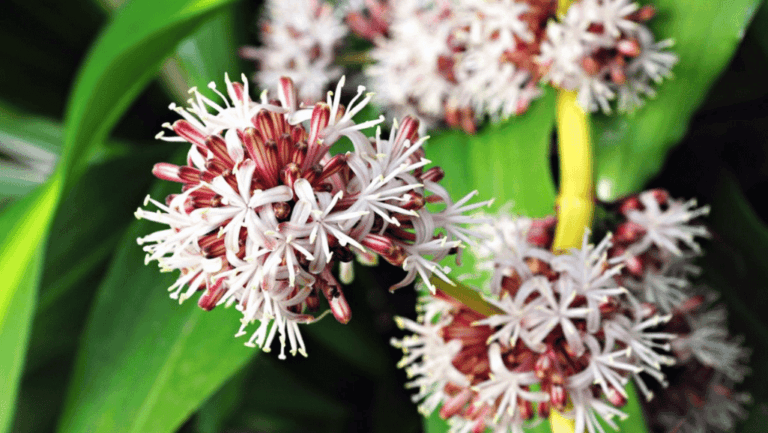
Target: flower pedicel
(265,211)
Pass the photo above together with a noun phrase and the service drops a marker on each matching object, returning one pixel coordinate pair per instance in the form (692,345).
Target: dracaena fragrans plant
(266,212)
(570,331)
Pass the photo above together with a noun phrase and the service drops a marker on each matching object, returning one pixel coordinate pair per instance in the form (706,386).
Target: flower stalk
(575,203)
(465,295)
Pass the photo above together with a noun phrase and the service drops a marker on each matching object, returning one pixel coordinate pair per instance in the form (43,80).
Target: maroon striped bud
(218,147)
(264,122)
(590,65)
(455,404)
(616,398)
(558,397)
(526,409)
(543,409)
(212,295)
(336,164)
(335,296)
(289,174)
(385,247)
(645,13)
(434,174)
(190,133)
(543,366)
(661,196)
(167,171)
(617,73)
(288,94)
(445,67)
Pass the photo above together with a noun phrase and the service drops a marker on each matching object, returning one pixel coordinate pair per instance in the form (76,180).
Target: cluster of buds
(300,40)
(471,57)
(570,331)
(266,211)
(603,49)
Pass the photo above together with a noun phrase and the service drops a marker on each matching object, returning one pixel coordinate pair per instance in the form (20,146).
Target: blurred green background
(90,342)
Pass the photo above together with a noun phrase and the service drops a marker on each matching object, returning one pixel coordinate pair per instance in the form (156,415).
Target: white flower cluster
(564,332)
(603,49)
(266,211)
(300,39)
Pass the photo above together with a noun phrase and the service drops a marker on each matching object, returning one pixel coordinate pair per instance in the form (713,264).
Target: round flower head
(564,332)
(265,211)
(472,57)
(603,49)
(300,40)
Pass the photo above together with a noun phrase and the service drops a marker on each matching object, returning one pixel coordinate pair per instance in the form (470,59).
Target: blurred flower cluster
(571,330)
(456,61)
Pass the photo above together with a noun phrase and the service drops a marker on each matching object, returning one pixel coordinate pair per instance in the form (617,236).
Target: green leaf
(223,405)
(84,233)
(144,364)
(631,149)
(23,229)
(14,335)
(507,162)
(280,397)
(35,142)
(434,424)
(126,57)
(205,56)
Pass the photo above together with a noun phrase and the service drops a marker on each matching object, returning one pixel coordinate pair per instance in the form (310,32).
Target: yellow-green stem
(575,203)
(470,298)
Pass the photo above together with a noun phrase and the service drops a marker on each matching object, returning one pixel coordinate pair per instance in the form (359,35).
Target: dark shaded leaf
(631,149)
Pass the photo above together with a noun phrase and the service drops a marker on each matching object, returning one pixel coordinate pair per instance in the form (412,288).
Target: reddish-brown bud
(212,295)
(616,398)
(558,397)
(590,65)
(628,232)
(628,47)
(632,203)
(455,404)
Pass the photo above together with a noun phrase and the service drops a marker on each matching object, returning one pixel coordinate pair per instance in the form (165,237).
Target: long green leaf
(13,338)
(145,364)
(123,61)
(36,143)
(631,149)
(87,227)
